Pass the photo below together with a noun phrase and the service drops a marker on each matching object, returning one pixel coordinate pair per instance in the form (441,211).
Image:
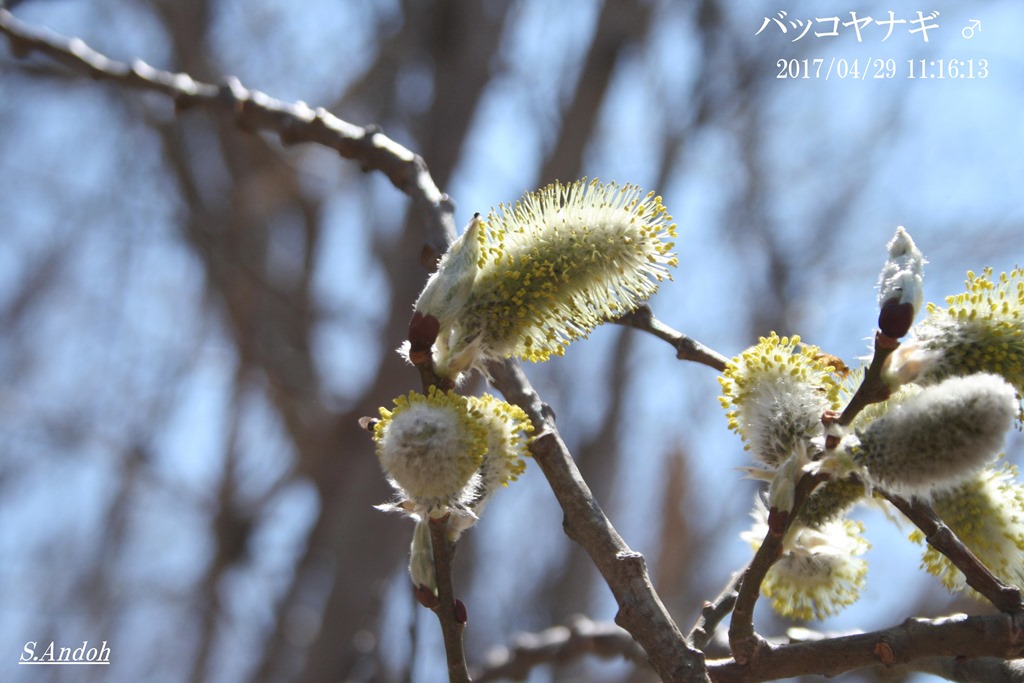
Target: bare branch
(254,111)
(558,644)
(642,318)
(641,611)
(941,537)
(713,612)
(450,612)
(743,640)
(873,388)
(999,635)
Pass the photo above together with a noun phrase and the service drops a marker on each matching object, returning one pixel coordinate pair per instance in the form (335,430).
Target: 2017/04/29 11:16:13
(820,68)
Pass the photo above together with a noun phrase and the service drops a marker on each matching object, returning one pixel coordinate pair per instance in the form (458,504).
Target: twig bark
(743,640)
(641,611)
(960,636)
(873,388)
(1005,598)
(451,613)
(642,318)
(578,638)
(713,612)
(256,111)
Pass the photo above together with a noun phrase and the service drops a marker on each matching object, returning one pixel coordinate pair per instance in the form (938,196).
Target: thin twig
(873,388)
(714,612)
(256,111)
(451,613)
(641,611)
(642,318)
(1004,597)
(558,644)
(743,640)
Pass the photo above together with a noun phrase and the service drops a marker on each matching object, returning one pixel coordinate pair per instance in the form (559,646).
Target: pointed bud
(461,613)
(900,288)
(448,288)
(421,562)
(423,329)
(938,437)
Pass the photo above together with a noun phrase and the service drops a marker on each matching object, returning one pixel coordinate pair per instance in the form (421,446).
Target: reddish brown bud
(425,596)
(778,521)
(423,331)
(461,615)
(895,319)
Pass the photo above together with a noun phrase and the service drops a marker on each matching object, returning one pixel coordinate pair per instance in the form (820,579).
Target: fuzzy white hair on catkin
(939,437)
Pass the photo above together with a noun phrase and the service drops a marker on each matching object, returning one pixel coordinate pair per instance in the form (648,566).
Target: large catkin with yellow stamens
(775,393)
(551,268)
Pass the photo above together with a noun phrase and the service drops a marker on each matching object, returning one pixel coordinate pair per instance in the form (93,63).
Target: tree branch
(451,613)
(743,640)
(960,636)
(255,111)
(642,318)
(1005,598)
(641,611)
(580,637)
(873,388)
(713,612)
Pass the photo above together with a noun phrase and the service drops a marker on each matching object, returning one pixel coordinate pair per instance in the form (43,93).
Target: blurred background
(194,317)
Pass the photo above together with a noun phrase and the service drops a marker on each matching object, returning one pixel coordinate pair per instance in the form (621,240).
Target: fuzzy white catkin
(902,274)
(939,437)
(781,415)
(431,451)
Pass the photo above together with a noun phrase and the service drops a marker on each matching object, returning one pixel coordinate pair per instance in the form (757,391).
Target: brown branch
(451,613)
(642,318)
(255,111)
(960,636)
(743,640)
(558,644)
(941,537)
(873,388)
(713,612)
(641,611)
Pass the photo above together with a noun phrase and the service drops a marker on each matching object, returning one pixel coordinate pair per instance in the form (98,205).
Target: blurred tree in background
(195,317)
